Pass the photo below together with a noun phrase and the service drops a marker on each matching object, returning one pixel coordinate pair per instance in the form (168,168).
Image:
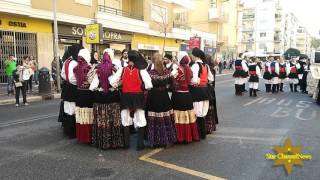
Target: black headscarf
(138,59)
(198,53)
(72,51)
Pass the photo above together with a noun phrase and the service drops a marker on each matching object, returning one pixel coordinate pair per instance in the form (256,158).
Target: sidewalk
(31,97)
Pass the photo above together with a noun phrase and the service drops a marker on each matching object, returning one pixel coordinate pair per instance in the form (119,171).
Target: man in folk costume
(134,80)
(283,72)
(167,60)
(274,66)
(69,91)
(254,75)
(84,103)
(293,75)
(303,68)
(240,74)
(199,90)
(124,58)
(267,75)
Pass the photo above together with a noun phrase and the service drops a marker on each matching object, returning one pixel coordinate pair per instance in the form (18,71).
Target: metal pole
(56,40)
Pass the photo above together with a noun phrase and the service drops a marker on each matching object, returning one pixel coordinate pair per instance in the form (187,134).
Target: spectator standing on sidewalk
(19,84)
(28,75)
(220,67)
(54,72)
(34,67)
(10,67)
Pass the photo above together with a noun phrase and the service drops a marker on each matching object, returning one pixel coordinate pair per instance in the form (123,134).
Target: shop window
(159,13)
(84,2)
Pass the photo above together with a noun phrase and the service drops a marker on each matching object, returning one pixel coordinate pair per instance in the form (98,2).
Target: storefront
(114,39)
(151,44)
(24,36)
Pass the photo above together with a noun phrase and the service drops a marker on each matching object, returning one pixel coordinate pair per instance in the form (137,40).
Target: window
(84,2)
(262,46)
(159,13)
(181,17)
(263,34)
(213,3)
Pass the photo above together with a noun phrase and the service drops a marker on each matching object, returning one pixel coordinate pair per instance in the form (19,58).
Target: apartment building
(303,41)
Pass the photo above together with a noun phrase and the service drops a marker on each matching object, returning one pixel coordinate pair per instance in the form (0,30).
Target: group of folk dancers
(165,103)
(277,71)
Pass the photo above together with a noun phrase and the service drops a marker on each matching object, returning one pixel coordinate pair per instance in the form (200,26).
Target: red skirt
(84,133)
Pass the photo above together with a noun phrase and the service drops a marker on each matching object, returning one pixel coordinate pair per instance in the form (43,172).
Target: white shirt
(125,62)
(72,77)
(195,71)
(117,63)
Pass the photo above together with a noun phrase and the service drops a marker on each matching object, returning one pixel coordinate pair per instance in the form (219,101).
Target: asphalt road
(32,145)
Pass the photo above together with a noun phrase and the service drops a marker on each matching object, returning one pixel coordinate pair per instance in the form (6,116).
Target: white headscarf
(181,54)
(110,52)
(85,53)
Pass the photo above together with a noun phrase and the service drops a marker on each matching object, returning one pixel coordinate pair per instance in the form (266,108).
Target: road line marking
(221,82)
(223,74)
(269,139)
(253,101)
(192,172)
(26,120)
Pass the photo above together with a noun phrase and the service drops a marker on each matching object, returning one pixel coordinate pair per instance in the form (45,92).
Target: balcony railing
(119,12)
(181,25)
(215,15)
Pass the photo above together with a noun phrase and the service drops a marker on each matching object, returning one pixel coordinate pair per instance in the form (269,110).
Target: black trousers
(23,90)
(29,83)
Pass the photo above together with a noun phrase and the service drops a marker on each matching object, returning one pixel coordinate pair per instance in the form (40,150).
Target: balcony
(118,12)
(277,39)
(247,29)
(215,15)
(222,40)
(248,17)
(248,40)
(181,25)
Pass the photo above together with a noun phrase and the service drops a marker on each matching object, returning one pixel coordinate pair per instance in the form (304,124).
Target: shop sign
(148,47)
(116,36)
(208,43)
(17,24)
(93,33)
(194,42)
(169,48)
(209,50)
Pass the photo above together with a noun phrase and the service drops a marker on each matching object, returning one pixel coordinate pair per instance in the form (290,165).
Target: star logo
(288,156)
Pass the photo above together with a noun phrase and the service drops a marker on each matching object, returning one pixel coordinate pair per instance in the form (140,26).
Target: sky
(307,11)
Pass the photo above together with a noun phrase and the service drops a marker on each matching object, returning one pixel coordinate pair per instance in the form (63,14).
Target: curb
(31,99)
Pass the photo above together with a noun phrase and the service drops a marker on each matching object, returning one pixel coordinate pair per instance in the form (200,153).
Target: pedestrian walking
(293,75)
(201,76)
(220,67)
(240,75)
(274,66)
(10,68)
(84,104)
(135,79)
(212,115)
(161,129)
(254,75)
(69,91)
(19,84)
(107,130)
(184,115)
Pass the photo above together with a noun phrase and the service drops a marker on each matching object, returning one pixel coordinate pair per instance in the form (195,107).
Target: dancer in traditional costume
(293,75)
(240,74)
(69,91)
(274,66)
(283,73)
(184,115)
(84,111)
(201,76)
(212,115)
(135,79)
(161,129)
(267,76)
(254,75)
(107,130)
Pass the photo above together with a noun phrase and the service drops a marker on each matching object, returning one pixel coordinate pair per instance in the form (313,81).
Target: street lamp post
(55,49)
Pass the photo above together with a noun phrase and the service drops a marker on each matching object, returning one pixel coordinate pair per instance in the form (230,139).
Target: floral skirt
(160,128)
(107,131)
(211,119)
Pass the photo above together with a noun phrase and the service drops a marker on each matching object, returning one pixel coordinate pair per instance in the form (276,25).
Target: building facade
(303,41)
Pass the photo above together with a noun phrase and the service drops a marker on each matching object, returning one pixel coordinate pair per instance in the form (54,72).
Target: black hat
(138,59)
(72,51)
(169,56)
(198,53)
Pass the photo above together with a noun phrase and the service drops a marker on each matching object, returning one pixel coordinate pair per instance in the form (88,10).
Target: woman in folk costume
(254,75)
(267,76)
(69,91)
(201,76)
(161,129)
(134,80)
(184,116)
(107,131)
(274,66)
(293,75)
(212,115)
(283,72)
(84,111)
(240,74)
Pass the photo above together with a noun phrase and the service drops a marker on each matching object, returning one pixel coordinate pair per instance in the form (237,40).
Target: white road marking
(223,74)
(300,111)
(26,120)
(253,101)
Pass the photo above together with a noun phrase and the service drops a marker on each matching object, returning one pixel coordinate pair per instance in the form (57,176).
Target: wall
(45,49)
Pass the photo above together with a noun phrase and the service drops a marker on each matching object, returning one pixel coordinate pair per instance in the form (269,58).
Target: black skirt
(158,101)
(182,101)
(106,98)
(240,74)
(199,93)
(132,101)
(267,76)
(254,79)
(84,99)
(69,92)
(274,75)
(293,76)
(282,75)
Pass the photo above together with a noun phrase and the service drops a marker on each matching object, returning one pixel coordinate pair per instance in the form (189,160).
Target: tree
(315,43)
(291,52)
(161,18)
